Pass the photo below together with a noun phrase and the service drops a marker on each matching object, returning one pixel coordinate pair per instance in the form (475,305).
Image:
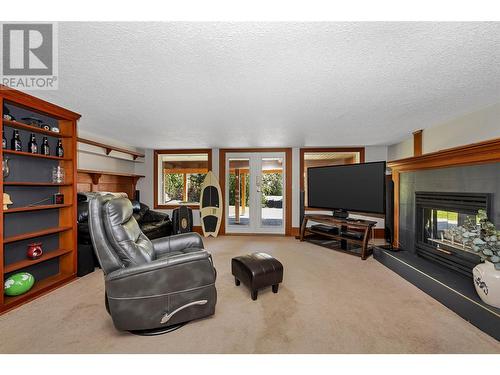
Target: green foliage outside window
(174,186)
(272,184)
(194,186)
(232,187)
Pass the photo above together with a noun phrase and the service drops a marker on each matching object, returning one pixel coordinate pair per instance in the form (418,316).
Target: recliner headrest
(118,210)
(124,234)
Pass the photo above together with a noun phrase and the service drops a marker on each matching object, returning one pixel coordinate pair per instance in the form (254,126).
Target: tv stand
(351,231)
(340,214)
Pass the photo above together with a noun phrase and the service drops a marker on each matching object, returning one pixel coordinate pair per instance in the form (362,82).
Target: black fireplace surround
(438,211)
(431,201)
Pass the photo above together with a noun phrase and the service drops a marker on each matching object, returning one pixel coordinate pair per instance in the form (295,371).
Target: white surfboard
(210,205)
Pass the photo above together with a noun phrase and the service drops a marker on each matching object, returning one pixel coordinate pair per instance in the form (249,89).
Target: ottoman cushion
(257,270)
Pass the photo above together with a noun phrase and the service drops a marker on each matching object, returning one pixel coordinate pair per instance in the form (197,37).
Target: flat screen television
(349,187)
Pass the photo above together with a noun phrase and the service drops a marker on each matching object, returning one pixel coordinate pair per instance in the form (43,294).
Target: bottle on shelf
(15,143)
(59,149)
(4,140)
(45,149)
(32,145)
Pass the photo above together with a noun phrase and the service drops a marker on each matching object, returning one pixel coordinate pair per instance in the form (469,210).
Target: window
(320,157)
(179,175)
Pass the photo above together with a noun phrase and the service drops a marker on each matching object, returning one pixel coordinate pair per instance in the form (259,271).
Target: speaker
(301,208)
(389,213)
(182,220)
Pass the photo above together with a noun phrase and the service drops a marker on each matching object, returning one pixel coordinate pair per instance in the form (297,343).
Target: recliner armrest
(176,242)
(162,276)
(158,264)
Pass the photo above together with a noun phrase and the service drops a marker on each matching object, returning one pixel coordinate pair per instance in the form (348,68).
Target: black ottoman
(257,271)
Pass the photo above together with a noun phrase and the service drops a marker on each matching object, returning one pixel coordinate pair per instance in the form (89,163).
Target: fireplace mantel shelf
(475,153)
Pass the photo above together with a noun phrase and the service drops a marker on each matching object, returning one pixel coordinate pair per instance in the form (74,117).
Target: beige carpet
(329,302)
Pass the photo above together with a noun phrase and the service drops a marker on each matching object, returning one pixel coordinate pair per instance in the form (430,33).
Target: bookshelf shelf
(29,262)
(33,129)
(22,153)
(36,208)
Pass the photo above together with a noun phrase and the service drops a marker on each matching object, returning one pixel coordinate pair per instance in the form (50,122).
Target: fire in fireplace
(437,213)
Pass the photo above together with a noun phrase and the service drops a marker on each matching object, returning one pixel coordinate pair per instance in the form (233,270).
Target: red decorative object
(34,250)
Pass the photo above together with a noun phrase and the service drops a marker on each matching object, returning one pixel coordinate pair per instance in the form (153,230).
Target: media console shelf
(346,230)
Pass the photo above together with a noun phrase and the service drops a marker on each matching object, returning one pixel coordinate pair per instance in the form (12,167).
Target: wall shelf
(36,208)
(29,262)
(23,153)
(33,129)
(109,148)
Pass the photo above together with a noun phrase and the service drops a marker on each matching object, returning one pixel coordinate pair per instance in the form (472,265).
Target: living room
(291,187)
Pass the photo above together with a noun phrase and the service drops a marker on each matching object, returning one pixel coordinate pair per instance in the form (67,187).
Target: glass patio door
(255,192)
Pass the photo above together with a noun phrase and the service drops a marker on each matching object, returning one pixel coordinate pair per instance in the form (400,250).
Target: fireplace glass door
(438,237)
(439,225)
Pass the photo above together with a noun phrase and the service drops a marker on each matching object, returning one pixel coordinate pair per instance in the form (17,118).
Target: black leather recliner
(149,285)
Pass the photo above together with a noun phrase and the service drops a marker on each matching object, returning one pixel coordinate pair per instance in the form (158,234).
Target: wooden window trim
(156,153)
(303,150)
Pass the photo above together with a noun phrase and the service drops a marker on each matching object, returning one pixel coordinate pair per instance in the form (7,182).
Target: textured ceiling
(273,84)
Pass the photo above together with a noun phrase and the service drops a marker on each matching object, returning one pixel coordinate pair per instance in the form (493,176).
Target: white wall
(376,153)
(474,127)
(145,185)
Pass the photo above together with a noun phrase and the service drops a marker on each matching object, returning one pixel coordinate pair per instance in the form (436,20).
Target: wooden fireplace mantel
(471,154)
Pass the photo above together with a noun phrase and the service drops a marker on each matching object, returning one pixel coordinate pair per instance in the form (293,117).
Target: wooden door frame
(288,181)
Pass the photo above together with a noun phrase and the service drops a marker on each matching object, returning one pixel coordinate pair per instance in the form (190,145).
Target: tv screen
(350,187)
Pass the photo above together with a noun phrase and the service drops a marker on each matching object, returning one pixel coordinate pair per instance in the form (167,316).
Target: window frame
(157,153)
(305,150)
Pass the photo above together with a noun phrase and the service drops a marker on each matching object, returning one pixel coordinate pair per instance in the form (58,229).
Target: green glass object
(18,284)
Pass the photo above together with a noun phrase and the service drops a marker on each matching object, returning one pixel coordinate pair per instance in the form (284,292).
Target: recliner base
(158,331)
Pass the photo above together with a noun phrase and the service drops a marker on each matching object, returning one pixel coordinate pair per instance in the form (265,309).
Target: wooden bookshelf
(27,182)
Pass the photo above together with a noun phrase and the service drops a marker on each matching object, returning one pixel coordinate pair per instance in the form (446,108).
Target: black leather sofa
(152,223)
